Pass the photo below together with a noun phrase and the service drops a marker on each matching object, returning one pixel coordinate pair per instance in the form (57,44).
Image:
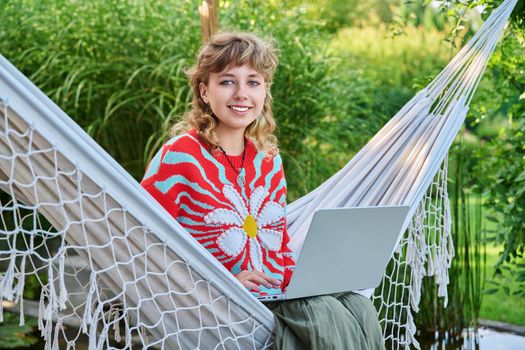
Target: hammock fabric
(110,260)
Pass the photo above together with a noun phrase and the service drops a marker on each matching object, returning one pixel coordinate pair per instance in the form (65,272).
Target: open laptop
(346,249)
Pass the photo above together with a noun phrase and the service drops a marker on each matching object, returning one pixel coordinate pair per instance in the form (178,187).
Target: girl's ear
(203,92)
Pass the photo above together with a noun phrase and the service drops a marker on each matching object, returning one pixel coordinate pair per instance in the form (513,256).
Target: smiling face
(236,96)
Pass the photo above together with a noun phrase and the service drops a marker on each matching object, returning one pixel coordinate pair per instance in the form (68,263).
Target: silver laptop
(346,249)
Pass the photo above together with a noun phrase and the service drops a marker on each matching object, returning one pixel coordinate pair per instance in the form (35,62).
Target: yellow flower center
(250,226)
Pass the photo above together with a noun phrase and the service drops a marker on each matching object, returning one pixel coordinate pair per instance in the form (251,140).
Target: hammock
(111,260)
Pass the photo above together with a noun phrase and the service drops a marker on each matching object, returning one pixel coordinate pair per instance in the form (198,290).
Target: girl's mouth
(240,109)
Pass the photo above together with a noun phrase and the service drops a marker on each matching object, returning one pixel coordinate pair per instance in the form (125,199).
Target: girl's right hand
(253,279)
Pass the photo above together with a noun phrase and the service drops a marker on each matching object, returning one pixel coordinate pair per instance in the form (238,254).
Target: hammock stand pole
(208,12)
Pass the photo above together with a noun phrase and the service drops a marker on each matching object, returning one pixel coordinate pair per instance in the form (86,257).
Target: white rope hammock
(111,260)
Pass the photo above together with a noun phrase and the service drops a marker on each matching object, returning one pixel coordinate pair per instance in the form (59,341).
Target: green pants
(344,321)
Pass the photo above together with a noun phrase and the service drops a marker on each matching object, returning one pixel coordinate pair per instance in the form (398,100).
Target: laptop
(346,249)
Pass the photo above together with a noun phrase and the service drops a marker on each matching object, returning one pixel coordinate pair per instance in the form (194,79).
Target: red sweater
(244,227)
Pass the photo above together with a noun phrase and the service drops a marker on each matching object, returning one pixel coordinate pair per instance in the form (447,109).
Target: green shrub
(13,336)
(498,112)
(115,67)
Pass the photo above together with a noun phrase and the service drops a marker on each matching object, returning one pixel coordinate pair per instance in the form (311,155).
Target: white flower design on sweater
(249,225)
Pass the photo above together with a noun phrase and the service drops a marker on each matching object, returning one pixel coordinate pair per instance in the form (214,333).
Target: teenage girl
(222,178)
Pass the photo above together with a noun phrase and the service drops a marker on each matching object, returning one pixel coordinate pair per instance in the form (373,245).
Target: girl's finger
(273,281)
(260,280)
(250,285)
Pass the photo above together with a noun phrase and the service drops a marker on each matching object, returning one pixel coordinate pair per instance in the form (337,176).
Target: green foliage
(502,304)
(33,285)
(118,70)
(497,165)
(517,17)
(13,336)
(505,169)
(340,14)
(497,304)
(394,63)
(115,67)
(497,115)
(507,197)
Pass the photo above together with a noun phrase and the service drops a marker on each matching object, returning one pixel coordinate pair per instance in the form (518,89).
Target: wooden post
(209,18)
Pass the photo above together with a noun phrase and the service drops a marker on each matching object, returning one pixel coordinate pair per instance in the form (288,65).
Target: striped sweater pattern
(244,227)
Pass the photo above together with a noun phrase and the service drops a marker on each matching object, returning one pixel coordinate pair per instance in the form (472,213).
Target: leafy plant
(507,197)
(498,116)
(505,168)
(13,336)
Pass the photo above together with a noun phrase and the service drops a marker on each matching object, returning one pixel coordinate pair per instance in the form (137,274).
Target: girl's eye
(252,83)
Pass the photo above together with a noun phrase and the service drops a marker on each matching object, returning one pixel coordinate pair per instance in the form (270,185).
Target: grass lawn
(499,306)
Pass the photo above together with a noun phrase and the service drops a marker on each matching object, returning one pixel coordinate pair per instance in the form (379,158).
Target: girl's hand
(253,279)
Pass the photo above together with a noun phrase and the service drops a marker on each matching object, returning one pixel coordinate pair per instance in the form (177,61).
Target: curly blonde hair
(225,50)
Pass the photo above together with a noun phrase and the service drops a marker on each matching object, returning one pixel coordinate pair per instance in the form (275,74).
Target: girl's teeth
(239,109)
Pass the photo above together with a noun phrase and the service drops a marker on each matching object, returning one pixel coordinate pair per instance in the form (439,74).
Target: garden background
(346,67)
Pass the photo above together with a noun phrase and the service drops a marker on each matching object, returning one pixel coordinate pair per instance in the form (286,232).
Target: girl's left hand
(253,279)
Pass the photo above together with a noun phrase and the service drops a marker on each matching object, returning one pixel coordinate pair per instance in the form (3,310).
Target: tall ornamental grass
(115,67)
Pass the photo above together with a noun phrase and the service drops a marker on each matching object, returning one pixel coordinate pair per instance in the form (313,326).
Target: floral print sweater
(242,225)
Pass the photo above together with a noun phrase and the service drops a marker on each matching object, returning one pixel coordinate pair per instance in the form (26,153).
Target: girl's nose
(240,93)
